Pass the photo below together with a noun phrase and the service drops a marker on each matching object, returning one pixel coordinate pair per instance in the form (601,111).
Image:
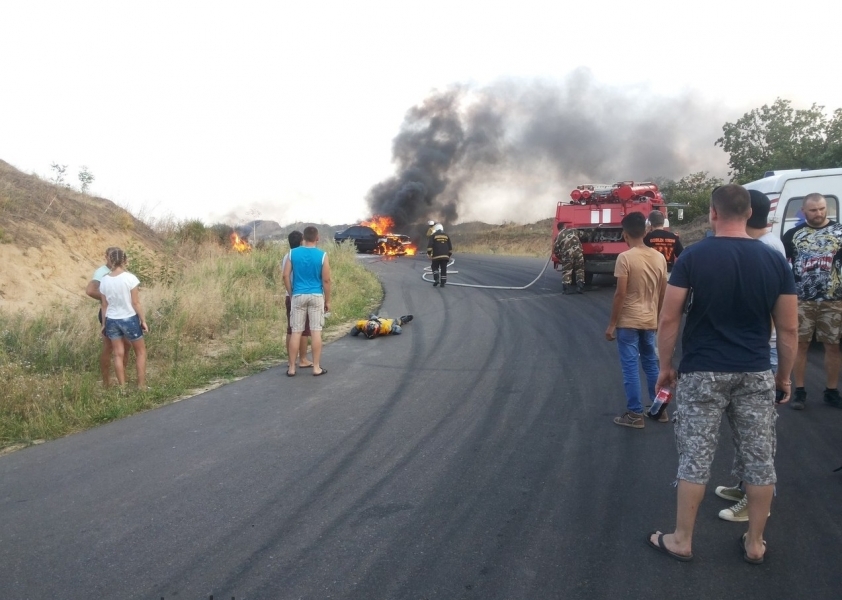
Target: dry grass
(222,317)
(509,239)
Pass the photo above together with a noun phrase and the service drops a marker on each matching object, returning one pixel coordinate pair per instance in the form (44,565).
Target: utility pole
(254,213)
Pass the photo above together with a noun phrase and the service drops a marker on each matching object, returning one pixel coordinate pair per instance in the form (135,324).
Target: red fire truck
(596,210)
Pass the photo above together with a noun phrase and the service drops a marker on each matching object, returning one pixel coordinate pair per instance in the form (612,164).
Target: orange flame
(391,244)
(381,225)
(239,244)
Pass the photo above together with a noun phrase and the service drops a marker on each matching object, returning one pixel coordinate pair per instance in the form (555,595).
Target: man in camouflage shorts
(725,365)
(815,249)
(568,250)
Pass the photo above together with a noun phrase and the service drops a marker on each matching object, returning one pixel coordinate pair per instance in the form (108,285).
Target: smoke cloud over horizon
(510,151)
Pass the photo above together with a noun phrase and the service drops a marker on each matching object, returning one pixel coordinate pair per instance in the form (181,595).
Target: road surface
(473,456)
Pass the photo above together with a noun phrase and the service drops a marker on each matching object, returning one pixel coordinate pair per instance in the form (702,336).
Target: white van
(786,190)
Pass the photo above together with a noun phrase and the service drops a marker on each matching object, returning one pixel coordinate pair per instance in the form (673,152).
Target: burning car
(376,236)
(394,244)
(363,237)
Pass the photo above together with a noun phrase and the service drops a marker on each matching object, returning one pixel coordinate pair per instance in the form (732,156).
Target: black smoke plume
(511,150)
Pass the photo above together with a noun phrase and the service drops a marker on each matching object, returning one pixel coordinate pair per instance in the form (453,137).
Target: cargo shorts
(748,400)
(822,316)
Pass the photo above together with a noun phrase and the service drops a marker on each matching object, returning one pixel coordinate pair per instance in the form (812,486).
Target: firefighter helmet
(372,328)
(430,223)
(437,227)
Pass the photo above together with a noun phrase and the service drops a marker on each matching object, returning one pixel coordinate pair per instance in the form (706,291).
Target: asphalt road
(471,457)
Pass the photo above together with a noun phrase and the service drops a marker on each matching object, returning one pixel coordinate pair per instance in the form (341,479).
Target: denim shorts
(127,328)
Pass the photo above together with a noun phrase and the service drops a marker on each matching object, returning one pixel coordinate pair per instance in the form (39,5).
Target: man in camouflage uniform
(815,249)
(725,365)
(568,250)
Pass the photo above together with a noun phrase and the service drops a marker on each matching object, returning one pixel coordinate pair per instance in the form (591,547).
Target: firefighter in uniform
(374,326)
(568,250)
(439,250)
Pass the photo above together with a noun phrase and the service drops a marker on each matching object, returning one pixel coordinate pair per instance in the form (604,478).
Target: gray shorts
(748,400)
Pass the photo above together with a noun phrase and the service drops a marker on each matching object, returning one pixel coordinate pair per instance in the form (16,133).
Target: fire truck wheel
(588,278)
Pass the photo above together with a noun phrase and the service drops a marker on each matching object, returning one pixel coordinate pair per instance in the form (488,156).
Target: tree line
(765,139)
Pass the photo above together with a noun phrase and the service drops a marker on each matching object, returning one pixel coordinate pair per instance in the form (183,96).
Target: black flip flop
(320,374)
(746,557)
(290,374)
(661,547)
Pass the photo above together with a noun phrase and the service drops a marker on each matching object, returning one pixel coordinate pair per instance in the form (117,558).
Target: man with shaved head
(815,250)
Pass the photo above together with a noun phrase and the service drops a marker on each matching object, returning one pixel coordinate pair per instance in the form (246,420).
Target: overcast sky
(288,110)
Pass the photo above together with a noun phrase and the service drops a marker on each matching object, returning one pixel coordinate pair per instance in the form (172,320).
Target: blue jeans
(635,344)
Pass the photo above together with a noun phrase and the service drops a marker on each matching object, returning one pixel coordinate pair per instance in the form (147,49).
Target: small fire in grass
(390,244)
(239,244)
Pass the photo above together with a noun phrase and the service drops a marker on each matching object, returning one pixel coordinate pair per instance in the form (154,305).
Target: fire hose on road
(428,271)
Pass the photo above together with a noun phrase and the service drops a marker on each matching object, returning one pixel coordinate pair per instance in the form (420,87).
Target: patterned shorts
(823,317)
(748,400)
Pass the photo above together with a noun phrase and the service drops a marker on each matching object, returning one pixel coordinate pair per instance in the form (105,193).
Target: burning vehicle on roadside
(375,236)
(364,238)
(395,244)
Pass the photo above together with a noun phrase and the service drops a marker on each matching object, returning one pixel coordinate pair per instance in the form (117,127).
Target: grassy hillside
(33,211)
(52,238)
(214,313)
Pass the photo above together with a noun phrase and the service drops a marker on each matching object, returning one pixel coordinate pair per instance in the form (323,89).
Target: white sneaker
(738,512)
(734,494)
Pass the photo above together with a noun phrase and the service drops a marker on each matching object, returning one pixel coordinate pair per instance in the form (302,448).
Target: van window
(794,216)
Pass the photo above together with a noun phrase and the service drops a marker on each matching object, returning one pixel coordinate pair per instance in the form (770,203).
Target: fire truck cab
(596,211)
(786,191)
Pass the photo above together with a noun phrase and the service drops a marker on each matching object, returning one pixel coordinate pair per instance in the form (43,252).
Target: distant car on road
(364,238)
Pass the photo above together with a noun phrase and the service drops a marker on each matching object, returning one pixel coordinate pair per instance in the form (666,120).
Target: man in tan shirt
(641,274)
